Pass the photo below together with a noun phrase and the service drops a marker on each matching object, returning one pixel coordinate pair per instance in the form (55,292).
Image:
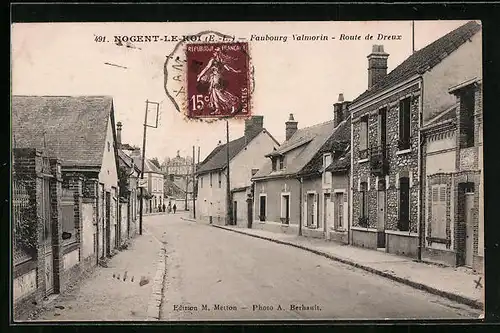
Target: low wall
(339,236)
(364,238)
(290,229)
(402,245)
(314,233)
(444,257)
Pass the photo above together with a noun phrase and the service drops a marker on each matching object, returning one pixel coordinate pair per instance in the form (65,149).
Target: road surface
(215,274)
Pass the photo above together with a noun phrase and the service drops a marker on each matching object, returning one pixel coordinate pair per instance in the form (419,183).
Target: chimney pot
(119,133)
(290,127)
(341,97)
(377,65)
(253,126)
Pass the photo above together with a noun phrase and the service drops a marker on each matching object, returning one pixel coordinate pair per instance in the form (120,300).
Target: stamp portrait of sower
(217,79)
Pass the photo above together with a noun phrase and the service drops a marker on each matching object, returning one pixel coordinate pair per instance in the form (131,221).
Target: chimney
(119,133)
(253,126)
(377,65)
(290,127)
(340,110)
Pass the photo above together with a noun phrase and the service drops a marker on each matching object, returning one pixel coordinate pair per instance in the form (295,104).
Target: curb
(451,296)
(154,305)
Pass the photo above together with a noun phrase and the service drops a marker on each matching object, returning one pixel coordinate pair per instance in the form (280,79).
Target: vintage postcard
(202,171)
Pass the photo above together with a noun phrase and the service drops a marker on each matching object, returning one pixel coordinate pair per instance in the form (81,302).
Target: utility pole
(228,186)
(141,204)
(187,183)
(412,37)
(192,194)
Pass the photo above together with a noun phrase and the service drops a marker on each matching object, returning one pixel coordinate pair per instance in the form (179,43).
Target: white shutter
(442,212)
(304,212)
(316,210)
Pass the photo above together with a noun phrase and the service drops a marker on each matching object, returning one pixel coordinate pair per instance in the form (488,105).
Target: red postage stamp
(218,80)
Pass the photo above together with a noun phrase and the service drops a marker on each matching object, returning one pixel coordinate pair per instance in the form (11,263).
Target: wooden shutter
(363,139)
(438,222)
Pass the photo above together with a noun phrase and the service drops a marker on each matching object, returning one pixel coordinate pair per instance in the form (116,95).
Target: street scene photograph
(246,171)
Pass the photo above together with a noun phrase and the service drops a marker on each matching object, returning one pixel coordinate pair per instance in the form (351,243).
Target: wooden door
(47,244)
(235,213)
(108,223)
(469,229)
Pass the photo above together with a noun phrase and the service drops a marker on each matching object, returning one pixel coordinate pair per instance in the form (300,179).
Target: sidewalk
(122,291)
(457,284)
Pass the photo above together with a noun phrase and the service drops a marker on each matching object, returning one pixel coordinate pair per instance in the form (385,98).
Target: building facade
(453,207)
(386,159)
(246,154)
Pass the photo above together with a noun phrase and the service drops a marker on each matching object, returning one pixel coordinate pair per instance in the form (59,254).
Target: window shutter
(442,213)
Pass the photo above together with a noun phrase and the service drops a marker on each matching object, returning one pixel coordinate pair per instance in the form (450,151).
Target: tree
(155,161)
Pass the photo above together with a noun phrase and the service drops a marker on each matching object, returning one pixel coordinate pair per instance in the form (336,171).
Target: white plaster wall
(211,200)
(440,163)
(250,157)
(87,230)
(71,259)
(24,285)
(108,174)
(463,64)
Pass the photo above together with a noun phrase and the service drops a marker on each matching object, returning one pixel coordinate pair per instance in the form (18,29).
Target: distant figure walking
(169,208)
(174,208)
(163,207)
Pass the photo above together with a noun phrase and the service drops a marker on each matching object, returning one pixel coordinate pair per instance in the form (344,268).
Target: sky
(299,77)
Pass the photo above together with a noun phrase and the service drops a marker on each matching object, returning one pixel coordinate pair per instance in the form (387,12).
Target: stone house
(79,226)
(246,155)
(453,205)
(325,197)
(291,186)
(386,159)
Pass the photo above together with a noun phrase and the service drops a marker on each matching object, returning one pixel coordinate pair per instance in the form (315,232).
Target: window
(467,101)
(282,161)
(210,179)
(438,204)
(382,130)
(363,137)
(68,225)
(363,204)
(201,182)
(404,124)
(219,175)
(262,207)
(273,161)
(339,211)
(285,208)
(109,146)
(404,204)
(327,176)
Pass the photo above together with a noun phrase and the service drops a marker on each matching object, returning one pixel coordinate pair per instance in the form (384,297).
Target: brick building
(386,159)
(78,194)
(453,207)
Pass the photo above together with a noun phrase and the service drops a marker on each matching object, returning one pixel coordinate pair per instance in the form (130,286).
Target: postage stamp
(218,80)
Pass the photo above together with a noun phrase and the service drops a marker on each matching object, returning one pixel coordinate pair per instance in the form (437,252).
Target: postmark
(209,76)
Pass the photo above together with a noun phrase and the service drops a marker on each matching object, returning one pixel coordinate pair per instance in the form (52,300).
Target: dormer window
(273,160)
(327,160)
(282,162)
(467,103)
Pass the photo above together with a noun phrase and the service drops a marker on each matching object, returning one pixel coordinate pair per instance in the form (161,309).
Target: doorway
(108,224)
(262,208)
(47,236)
(310,210)
(285,204)
(235,212)
(327,211)
(469,228)
(381,203)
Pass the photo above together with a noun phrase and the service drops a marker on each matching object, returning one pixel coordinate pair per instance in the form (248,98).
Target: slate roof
(172,189)
(449,114)
(338,142)
(148,165)
(424,59)
(73,128)
(309,139)
(217,159)
(343,163)
(127,161)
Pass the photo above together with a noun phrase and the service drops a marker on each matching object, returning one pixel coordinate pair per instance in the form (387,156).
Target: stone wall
(400,163)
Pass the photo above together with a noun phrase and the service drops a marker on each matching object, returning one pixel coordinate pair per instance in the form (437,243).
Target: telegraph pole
(141,204)
(228,186)
(192,194)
